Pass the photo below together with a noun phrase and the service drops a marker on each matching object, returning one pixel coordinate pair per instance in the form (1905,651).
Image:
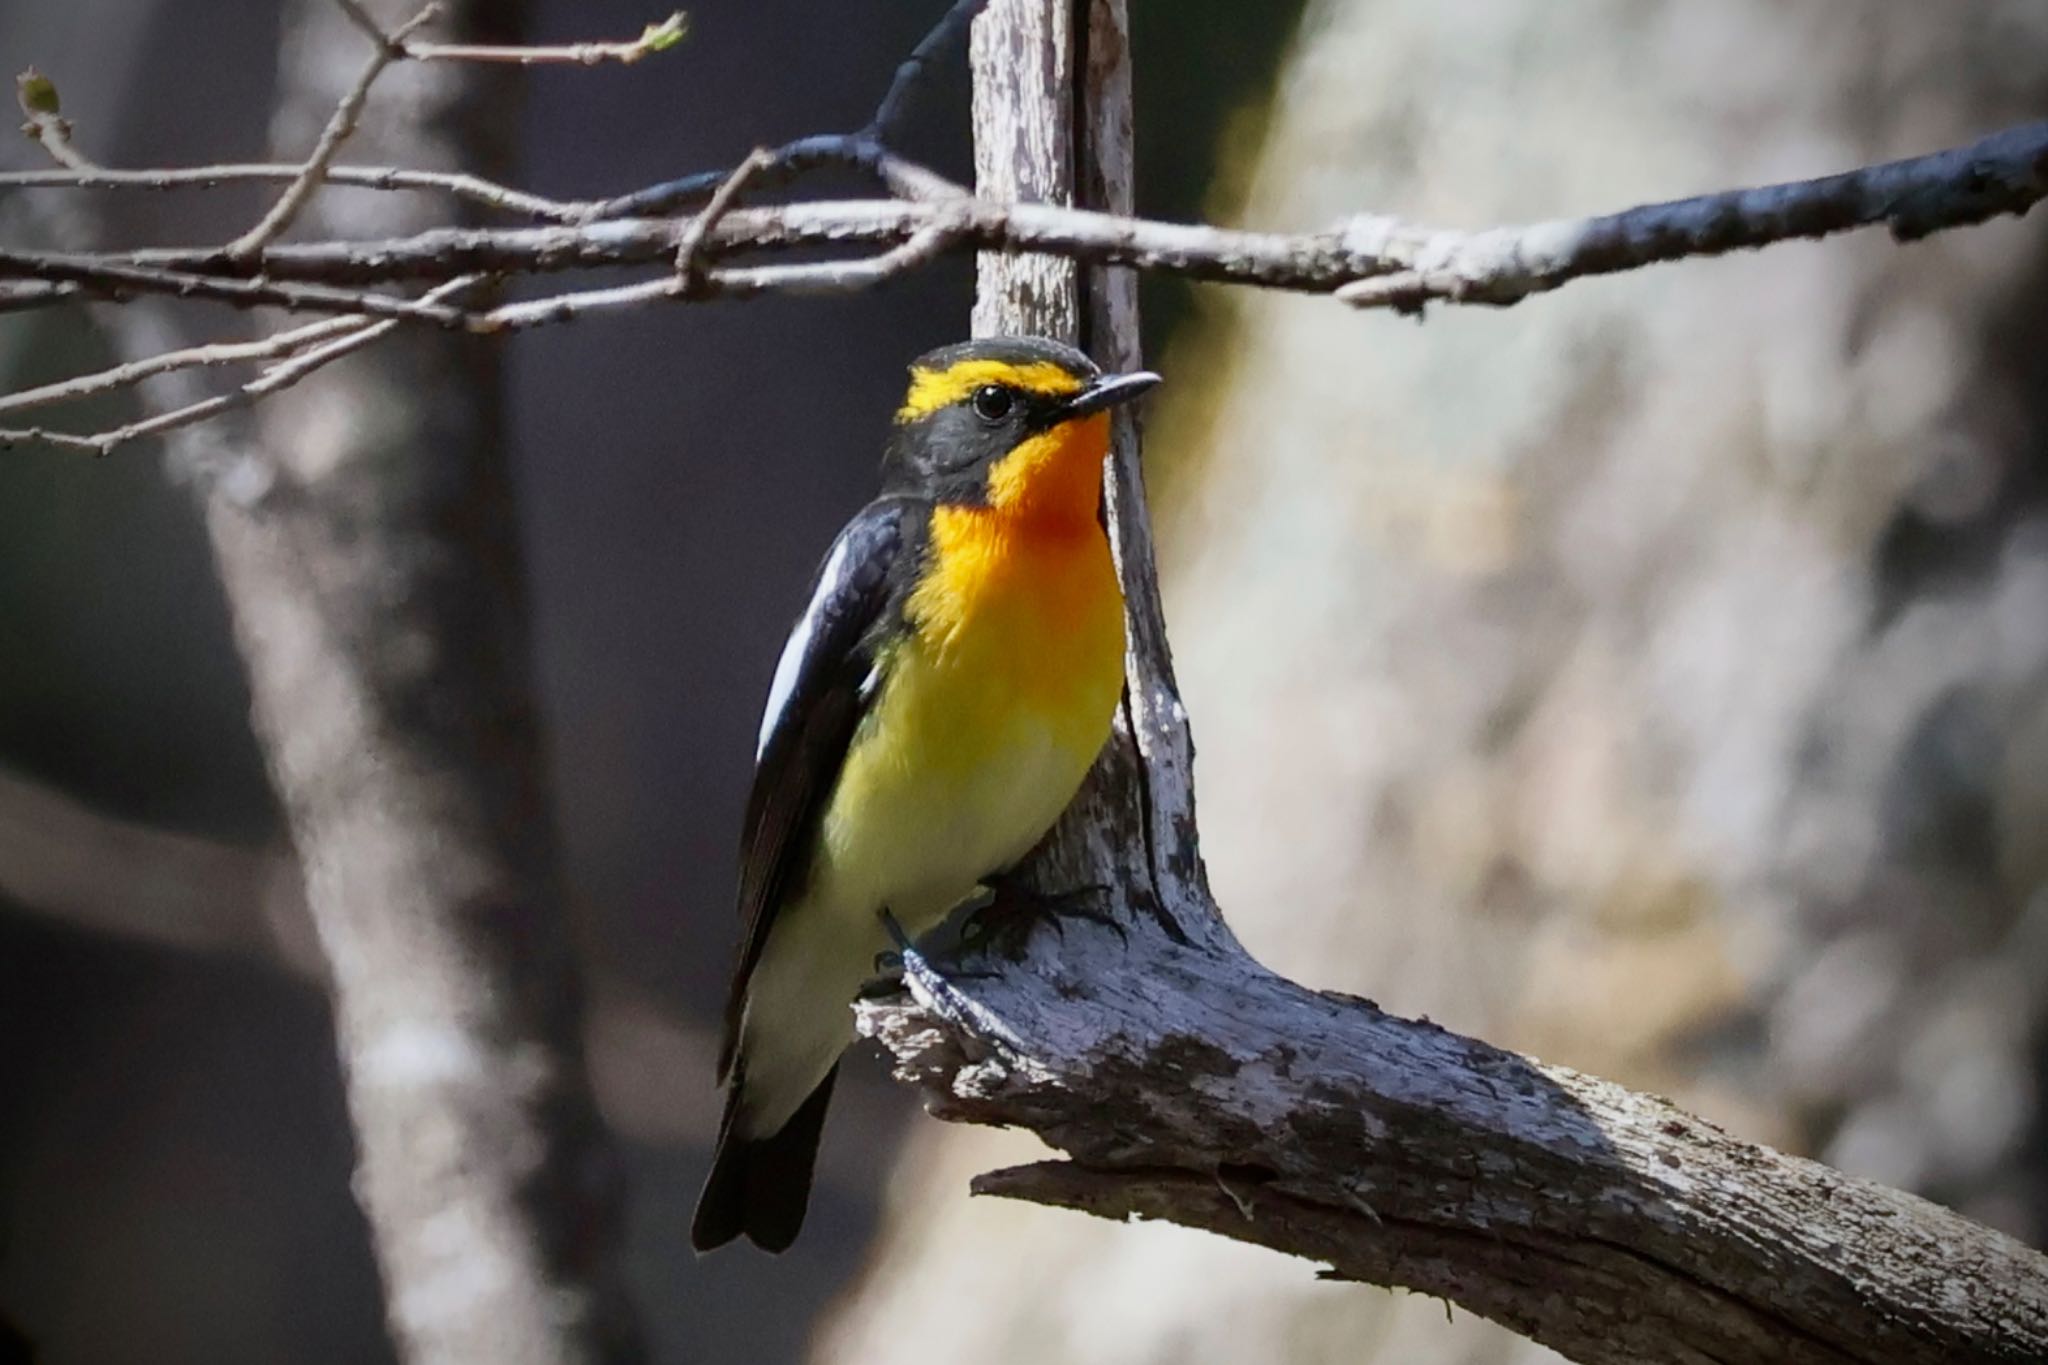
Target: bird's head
(1015,424)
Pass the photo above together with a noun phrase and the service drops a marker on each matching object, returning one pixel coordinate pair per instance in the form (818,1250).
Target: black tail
(761,1186)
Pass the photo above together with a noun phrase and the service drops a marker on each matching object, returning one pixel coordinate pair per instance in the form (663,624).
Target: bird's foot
(937,993)
(1013,912)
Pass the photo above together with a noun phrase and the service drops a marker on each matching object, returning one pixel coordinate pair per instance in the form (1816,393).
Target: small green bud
(666,34)
(37,93)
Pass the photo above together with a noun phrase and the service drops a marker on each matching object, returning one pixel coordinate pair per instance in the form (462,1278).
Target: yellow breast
(992,708)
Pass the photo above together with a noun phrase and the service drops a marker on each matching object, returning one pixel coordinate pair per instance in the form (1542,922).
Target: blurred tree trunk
(366,540)
(1654,677)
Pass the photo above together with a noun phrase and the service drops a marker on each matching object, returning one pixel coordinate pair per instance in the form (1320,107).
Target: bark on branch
(1370,260)
(1186,1082)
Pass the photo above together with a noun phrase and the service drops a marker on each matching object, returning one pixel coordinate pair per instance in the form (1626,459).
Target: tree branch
(1187,1083)
(119,283)
(215,353)
(348,111)
(460,184)
(305,350)
(654,38)
(2004,173)
(63,861)
(916,68)
(1369,261)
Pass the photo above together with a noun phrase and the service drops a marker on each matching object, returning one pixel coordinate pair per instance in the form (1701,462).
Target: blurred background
(1652,676)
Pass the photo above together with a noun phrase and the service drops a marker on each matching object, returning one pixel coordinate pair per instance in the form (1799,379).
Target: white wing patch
(792,661)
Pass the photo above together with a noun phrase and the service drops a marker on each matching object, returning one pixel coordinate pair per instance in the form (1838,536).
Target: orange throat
(1032,566)
(1052,478)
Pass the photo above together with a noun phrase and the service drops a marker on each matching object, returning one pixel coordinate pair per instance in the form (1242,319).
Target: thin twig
(368,25)
(854,151)
(822,277)
(834,277)
(865,150)
(352,335)
(721,202)
(45,124)
(340,125)
(951,28)
(190,357)
(654,38)
(19,298)
(120,282)
(468,187)
(2004,173)
(1312,262)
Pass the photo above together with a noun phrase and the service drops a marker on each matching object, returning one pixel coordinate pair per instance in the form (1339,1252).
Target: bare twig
(951,29)
(1314,262)
(470,187)
(366,23)
(46,124)
(112,280)
(216,353)
(855,151)
(2004,173)
(654,38)
(866,149)
(340,125)
(823,277)
(721,202)
(309,348)
(834,277)
(19,298)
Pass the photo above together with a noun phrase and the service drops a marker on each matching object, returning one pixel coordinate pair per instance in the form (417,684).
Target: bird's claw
(913,972)
(1013,913)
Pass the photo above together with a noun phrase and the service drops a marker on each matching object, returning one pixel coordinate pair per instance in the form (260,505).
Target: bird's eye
(992,402)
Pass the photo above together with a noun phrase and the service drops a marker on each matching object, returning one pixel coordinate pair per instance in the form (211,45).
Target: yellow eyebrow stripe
(931,390)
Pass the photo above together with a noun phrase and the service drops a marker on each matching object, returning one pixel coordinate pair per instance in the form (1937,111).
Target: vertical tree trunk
(1022,53)
(367,544)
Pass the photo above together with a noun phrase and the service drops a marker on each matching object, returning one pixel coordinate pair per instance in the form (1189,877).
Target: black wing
(823,685)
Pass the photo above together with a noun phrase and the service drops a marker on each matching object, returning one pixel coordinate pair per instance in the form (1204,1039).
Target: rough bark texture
(1188,1083)
(1022,55)
(366,543)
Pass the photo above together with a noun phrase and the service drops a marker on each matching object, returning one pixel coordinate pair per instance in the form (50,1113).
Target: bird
(933,712)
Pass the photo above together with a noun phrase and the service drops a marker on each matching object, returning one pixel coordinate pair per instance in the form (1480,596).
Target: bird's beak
(1106,392)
